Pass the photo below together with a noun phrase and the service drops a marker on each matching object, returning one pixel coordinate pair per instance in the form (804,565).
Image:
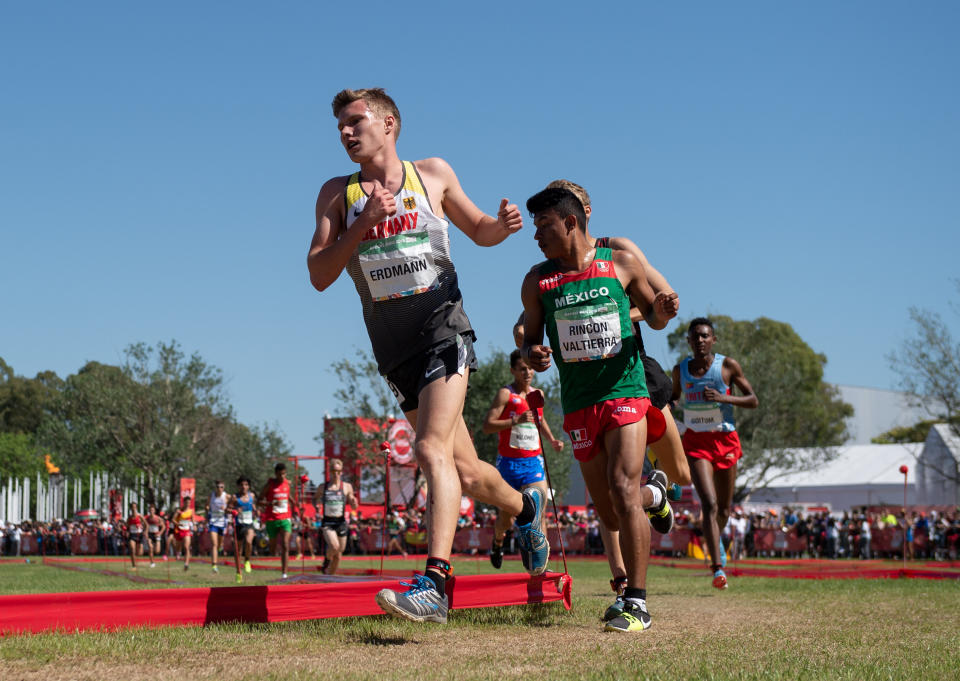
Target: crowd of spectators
(850,534)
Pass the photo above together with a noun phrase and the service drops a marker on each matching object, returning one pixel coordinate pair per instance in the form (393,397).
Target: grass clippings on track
(757,629)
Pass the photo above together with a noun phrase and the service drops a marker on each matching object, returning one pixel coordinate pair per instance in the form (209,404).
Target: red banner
(188,487)
(84,544)
(28,544)
(675,542)
(96,610)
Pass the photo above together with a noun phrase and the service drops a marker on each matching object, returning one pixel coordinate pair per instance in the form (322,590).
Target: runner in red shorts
(710,440)
(183,530)
(582,296)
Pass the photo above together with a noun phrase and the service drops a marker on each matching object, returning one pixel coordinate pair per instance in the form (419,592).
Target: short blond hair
(377,99)
(573,188)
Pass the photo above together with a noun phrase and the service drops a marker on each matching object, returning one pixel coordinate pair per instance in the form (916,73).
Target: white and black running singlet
(404,276)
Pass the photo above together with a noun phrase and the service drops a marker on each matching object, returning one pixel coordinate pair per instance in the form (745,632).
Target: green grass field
(757,629)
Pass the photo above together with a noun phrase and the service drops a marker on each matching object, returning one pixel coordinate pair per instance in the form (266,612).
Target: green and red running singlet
(588,323)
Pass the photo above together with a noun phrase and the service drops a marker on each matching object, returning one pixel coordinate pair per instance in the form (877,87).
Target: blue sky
(159,166)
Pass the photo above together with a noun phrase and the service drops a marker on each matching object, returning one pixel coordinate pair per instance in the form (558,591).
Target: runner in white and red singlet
(519,454)
(135,527)
(276,498)
(182,522)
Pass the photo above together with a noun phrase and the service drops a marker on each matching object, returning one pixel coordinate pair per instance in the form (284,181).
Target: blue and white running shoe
(420,603)
(531,538)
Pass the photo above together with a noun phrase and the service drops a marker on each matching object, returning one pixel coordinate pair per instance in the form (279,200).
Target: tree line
(160,414)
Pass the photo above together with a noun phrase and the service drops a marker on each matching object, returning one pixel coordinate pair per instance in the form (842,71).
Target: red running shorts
(721,449)
(586,426)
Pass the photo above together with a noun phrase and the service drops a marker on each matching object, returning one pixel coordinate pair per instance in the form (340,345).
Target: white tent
(938,467)
(860,475)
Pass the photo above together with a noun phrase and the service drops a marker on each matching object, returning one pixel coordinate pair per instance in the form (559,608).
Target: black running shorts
(452,356)
(659,384)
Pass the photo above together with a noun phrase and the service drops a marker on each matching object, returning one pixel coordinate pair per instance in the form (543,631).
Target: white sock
(639,602)
(657,496)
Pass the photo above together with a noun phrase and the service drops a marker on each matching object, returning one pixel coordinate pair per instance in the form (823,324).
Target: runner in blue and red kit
(710,440)
(519,454)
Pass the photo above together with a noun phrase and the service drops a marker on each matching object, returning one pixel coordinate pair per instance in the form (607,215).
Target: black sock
(525,516)
(438,570)
(715,567)
(438,579)
(631,592)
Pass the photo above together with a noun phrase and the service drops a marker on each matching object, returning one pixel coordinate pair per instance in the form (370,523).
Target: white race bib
(589,332)
(153,529)
(280,505)
(399,265)
(246,517)
(703,418)
(524,436)
(185,524)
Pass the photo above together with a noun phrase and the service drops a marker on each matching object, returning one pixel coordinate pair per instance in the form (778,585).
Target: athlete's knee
(625,494)
(430,452)
(708,506)
(471,476)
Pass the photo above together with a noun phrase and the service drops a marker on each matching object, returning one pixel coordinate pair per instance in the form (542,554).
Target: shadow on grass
(535,615)
(372,639)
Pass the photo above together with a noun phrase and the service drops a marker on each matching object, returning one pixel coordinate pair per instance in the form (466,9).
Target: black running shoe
(661,516)
(496,555)
(420,603)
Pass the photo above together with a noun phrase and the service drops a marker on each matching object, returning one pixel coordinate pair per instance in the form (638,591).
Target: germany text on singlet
(403,274)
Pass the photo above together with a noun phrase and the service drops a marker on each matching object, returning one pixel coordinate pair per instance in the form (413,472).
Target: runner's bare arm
(330,250)
(493,423)
(675,393)
(656,308)
(482,229)
(349,495)
(732,368)
(656,280)
(546,432)
(533,350)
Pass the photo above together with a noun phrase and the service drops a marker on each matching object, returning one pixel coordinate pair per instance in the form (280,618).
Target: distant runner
(705,382)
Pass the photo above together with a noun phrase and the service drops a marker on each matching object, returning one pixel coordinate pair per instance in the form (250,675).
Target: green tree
(160,414)
(24,401)
(19,456)
(797,408)
(903,434)
(928,364)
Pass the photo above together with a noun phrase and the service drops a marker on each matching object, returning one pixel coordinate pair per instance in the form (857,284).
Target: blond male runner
(334,496)
(386,226)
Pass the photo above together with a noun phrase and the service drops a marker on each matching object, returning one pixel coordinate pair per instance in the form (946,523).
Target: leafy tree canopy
(161,414)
